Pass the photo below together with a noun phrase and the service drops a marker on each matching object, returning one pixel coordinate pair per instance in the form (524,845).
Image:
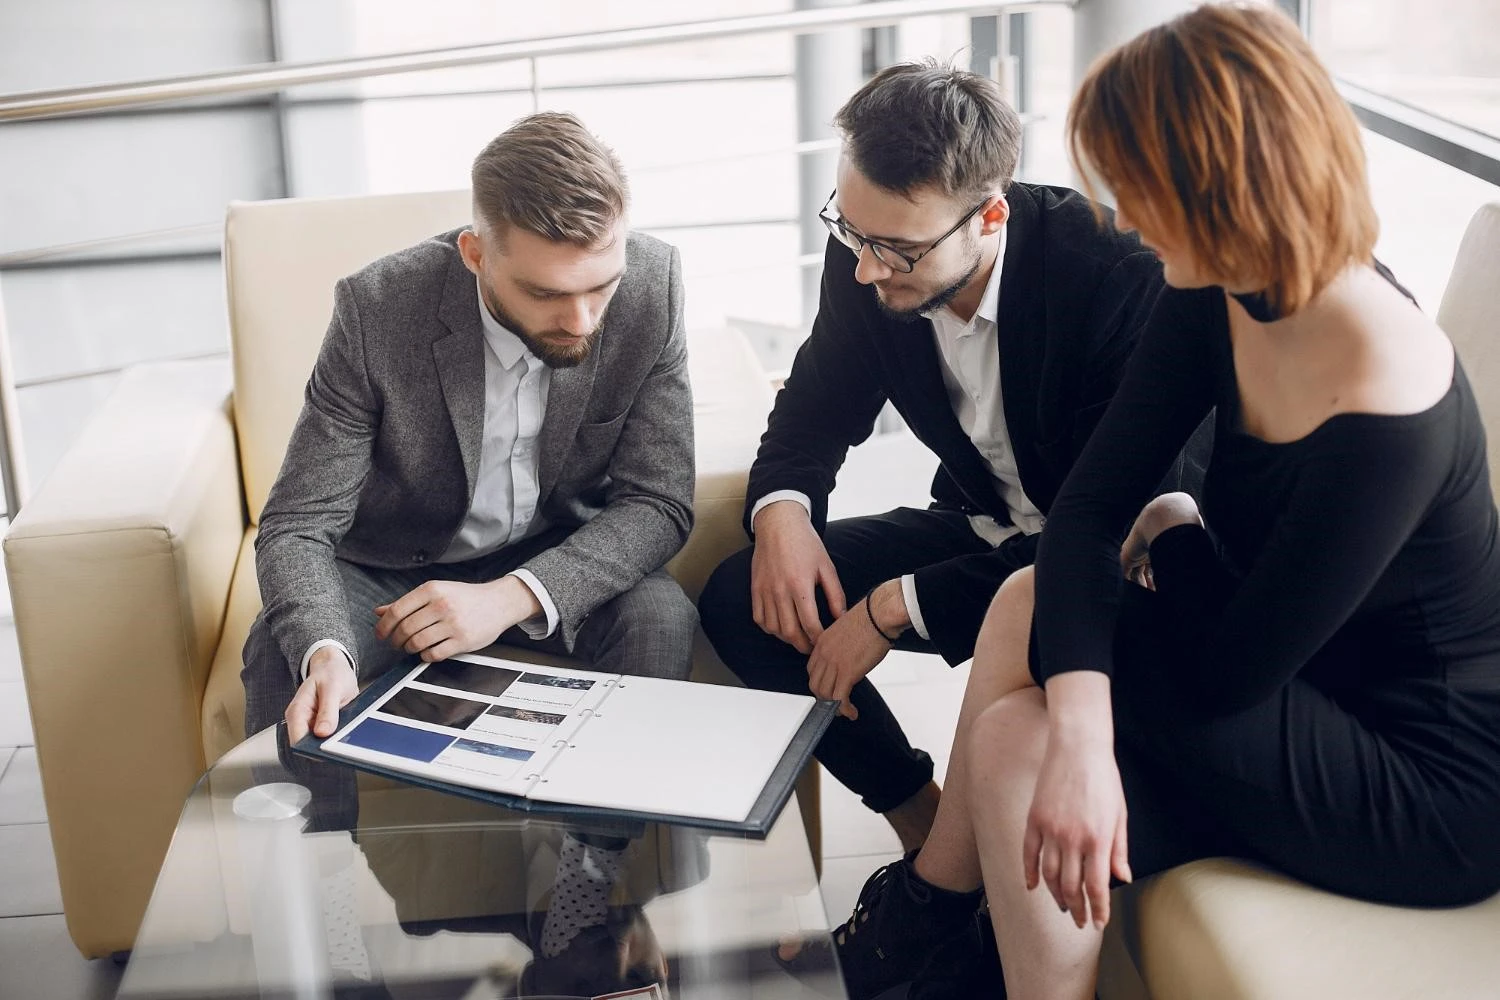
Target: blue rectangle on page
(403,741)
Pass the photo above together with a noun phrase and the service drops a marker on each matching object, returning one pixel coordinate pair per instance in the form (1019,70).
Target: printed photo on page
(486,722)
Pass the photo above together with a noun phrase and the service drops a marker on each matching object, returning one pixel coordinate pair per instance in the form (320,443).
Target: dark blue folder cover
(763,814)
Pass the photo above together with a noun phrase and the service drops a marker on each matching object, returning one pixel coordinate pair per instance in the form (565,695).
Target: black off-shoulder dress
(1315,682)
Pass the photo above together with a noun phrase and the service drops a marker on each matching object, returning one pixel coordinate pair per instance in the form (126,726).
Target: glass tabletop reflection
(291,879)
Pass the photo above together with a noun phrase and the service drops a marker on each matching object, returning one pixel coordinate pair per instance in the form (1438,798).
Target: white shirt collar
(989,302)
(506,345)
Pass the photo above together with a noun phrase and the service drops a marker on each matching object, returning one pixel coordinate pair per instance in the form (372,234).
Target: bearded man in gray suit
(496,443)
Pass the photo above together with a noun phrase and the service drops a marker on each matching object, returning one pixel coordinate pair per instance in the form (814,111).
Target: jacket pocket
(601,431)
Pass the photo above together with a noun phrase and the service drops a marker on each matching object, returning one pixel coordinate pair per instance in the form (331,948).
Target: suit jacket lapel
(930,414)
(567,398)
(1022,322)
(459,357)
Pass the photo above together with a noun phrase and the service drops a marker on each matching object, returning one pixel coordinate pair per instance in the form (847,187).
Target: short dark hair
(920,124)
(550,176)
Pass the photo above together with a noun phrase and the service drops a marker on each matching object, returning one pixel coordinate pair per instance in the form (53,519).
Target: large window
(1424,207)
(1442,56)
(1415,66)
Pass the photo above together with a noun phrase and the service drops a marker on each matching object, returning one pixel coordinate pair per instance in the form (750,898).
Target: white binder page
(676,748)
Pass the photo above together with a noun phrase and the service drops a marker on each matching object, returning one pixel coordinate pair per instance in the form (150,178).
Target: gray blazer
(381,464)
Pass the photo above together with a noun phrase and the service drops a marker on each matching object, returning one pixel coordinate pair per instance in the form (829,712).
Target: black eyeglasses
(885,253)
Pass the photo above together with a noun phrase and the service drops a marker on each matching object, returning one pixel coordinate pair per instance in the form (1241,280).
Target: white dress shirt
(504,508)
(516,383)
(969,356)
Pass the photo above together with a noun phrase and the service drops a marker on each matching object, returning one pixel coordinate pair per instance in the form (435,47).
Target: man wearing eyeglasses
(997,317)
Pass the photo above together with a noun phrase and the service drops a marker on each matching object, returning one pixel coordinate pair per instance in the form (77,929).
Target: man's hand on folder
(330,685)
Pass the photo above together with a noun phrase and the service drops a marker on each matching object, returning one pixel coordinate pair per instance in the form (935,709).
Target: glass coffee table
(274,888)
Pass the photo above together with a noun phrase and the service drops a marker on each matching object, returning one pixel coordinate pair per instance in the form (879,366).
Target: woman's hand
(1075,832)
(1135,558)
(1166,511)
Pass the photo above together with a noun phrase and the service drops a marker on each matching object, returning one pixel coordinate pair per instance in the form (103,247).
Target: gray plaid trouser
(646,631)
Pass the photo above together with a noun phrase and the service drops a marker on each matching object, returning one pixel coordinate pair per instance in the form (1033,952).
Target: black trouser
(870,755)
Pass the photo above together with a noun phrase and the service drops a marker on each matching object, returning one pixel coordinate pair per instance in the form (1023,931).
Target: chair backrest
(1470,315)
(281,260)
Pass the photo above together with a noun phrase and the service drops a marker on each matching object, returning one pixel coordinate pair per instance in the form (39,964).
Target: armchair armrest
(119,570)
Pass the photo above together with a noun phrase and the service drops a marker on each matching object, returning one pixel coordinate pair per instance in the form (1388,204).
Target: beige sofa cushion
(731,400)
(223,717)
(1471,306)
(1223,929)
(281,259)
(118,567)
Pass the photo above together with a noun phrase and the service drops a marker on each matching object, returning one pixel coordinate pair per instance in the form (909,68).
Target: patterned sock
(580,896)
(346,943)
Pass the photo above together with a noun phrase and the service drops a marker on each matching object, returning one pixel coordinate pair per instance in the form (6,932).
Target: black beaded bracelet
(876,625)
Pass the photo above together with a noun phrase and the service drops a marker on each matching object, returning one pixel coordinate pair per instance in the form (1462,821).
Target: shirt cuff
(913,609)
(307,656)
(542,625)
(771,498)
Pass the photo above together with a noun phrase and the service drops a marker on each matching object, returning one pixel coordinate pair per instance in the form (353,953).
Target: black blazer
(1074,294)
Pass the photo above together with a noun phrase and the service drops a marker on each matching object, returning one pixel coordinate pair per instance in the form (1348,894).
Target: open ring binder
(720,758)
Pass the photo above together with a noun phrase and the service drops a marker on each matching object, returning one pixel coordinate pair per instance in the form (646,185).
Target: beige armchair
(132,569)
(1226,930)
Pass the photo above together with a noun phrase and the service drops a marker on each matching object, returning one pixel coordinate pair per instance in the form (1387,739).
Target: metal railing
(89,250)
(281,76)
(273,78)
(85,251)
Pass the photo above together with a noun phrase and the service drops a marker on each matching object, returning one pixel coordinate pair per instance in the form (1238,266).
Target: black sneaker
(897,923)
(965,966)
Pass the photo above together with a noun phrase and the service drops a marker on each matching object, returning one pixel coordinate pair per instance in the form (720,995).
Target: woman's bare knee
(1005,637)
(1011,727)
(1010,610)
(1019,586)
(1006,745)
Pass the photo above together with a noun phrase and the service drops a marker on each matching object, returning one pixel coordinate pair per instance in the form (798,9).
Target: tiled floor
(39,962)
(37,958)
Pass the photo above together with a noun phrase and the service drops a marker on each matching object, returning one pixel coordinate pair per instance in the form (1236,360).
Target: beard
(553,355)
(938,299)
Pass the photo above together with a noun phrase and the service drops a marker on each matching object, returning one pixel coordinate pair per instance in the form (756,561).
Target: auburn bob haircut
(1222,128)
